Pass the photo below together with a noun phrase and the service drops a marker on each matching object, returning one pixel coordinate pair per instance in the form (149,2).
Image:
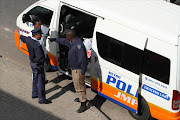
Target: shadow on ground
(12,108)
(64,89)
(97,101)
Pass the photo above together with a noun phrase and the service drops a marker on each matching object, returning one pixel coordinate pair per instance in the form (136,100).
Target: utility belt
(39,67)
(36,64)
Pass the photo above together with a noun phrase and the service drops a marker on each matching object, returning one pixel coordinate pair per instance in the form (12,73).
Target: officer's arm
(40,58)
(23,38)
(82,59)
(63,41)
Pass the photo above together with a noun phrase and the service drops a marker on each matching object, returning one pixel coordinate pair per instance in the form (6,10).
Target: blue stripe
(124,106)
(53,67)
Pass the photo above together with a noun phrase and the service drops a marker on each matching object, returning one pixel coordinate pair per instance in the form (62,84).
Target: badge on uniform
(79,46)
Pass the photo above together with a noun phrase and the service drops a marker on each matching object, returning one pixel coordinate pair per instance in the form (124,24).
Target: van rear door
(159,79)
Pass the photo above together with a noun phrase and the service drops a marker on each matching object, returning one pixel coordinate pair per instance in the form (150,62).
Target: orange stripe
(162,114)
(17,41)
(24,49)
(111,91)
(53,59)
(156,112)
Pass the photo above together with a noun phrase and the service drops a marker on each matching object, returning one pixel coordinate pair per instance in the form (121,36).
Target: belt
(75,69)
(37,64)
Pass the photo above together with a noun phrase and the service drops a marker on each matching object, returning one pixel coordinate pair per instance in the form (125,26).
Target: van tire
(144,113)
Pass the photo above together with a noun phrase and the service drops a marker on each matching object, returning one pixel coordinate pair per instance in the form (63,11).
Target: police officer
(45,30)
(37,59)
(77,59)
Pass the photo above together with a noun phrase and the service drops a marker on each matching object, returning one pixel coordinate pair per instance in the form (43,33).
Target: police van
(135,54)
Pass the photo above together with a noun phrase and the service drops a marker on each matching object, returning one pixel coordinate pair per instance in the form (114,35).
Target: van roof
(157,18)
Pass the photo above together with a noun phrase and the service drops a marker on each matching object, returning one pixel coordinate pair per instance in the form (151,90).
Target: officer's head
(36,33)
(70,35)
(36,22)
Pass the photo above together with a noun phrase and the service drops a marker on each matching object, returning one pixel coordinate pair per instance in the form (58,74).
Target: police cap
(36,31)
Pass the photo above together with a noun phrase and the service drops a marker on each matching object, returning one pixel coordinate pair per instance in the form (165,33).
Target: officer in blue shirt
(37,59)
(77,59)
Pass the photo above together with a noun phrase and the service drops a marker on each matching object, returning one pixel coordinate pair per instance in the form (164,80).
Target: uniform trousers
(79,85)
(38,87)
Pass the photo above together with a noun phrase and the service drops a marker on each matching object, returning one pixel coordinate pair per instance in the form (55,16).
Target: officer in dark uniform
(37,59)
(77,59)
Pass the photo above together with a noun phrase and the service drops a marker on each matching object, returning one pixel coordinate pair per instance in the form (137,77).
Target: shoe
(82,108)
(33,97)
(76,100)
(44,102)
(46,81)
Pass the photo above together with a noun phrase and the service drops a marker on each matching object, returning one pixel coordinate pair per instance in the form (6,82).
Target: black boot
(82,108)
(76,100)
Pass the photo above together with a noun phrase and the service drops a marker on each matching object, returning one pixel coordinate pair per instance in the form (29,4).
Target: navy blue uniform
(36,54)
(37,58)
(77,56)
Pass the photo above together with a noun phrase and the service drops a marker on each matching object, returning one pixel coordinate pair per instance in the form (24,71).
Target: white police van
(135,54)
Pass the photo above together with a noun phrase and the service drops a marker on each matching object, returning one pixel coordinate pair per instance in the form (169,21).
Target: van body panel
(117,96)
(107,69)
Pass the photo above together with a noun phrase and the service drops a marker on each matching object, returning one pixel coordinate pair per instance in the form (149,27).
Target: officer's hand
(52,39)
(40,69)
(82,77)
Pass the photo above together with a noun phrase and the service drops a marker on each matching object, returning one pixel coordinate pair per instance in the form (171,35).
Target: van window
(156,66)
(119,53)
(44,14)
(82,23)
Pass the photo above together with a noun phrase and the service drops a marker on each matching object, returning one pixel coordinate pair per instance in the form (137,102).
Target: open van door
(46,12)
(25,25)
(83,23)
(116,60)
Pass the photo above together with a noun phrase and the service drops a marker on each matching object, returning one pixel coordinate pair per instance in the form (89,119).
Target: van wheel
(143,111)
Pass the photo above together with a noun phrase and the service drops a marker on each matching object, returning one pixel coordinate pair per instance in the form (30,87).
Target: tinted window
(156,66)
(130,58)
(119,53)
(44,14)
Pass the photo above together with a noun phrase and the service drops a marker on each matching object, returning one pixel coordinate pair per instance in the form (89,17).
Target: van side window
(44,14)
(119,53)
(156,66)
(83,24)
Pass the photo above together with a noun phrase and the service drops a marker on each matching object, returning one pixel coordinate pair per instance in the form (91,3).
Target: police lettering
(126,98)
(121,85)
